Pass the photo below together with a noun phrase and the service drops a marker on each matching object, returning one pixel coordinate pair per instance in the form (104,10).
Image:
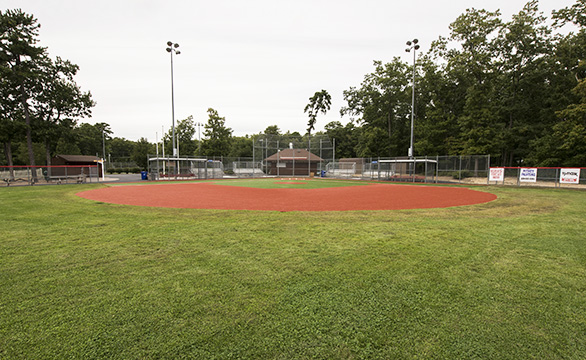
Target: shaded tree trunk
(48,155)
(27,119)
(8,154)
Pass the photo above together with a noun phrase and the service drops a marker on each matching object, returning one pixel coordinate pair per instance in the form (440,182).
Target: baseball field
(90,278)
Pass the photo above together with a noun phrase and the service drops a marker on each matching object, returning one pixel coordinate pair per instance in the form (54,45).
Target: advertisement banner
(497,174)
(569,176)
(528,175)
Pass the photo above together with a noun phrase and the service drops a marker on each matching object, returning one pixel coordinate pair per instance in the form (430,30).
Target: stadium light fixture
(172,48)
(412,45)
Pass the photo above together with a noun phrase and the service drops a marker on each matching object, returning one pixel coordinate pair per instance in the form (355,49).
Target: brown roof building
(292,162)
(74,165)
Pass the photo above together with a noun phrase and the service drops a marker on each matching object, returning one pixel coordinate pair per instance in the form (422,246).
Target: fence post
(425,178)
(488,171)
(436,168)
(460,171)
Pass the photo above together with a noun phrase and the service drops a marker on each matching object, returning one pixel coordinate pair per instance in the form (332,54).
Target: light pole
(199,125)
(172,48)
(104,148)
(412,45)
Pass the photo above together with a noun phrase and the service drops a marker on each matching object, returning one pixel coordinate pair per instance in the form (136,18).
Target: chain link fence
(46,175)
(556,177)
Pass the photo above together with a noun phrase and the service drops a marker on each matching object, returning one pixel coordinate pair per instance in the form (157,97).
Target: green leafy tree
(217,137)
(523,46)
(575,14)
(469,59)
(382,105)
(185,132)
(439,102)
(43,93)
(19,58)
(565,143)
(120,149)
(346,138)
(141,151)
(272,130)
(90,138)
(241,147)
(59,103)
(320,102)
(10,126)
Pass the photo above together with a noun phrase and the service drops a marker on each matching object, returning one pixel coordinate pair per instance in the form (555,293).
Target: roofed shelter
(72,165)
(292,162)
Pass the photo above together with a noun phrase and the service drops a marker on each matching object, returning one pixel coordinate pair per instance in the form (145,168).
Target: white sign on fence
(528,175)
(569,176)
(497,174)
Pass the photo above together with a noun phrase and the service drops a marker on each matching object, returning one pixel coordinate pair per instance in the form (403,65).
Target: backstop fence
(56,174)
(474,169)
(184,168)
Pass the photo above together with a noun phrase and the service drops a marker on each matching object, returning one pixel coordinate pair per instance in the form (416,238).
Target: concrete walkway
(122,178)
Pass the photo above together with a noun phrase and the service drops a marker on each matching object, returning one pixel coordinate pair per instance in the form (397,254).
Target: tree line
(513,89)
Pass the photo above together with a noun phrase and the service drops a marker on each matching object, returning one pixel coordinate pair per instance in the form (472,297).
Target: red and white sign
(569,176)
(497,174)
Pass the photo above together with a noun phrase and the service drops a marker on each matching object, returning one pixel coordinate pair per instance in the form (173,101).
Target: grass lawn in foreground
(83,279)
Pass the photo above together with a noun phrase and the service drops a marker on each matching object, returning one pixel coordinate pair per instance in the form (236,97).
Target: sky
(256,62)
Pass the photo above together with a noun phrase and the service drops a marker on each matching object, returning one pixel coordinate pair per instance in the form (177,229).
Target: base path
(213,196)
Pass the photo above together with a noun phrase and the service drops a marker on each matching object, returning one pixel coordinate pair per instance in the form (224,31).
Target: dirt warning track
(214,196)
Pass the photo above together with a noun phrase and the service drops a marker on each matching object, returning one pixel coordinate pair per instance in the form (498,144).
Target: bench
(59,179)
(9,181)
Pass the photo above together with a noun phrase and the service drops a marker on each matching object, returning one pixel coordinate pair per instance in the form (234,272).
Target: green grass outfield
(83,279)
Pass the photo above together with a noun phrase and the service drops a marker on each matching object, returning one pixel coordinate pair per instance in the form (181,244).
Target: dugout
(74,165)
(292,162)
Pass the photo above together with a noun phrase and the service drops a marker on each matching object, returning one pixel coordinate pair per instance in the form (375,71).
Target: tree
(19,62)
(241,147)
(320,102)
(382,105)
(41,92)
(575,14)
(522,47)
(217,137)
(185,132)
(141,151)
(439,103)
(470,65)
(59,103)
(345,137)
(272,130)
(120,149)
(10,126)
(90,138)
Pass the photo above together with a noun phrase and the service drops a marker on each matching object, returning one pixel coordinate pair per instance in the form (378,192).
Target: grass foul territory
(86,279)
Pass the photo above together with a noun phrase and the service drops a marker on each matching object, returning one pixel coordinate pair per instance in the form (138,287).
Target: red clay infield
(213,196)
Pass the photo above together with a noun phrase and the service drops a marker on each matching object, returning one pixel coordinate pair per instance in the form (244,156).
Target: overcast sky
(256,62)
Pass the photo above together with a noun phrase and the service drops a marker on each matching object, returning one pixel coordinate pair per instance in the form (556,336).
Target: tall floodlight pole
(172,48)
(104,149)
(412,45)
(199,125)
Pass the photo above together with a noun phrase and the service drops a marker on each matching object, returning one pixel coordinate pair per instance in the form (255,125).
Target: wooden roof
(78,158)
(294,154)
